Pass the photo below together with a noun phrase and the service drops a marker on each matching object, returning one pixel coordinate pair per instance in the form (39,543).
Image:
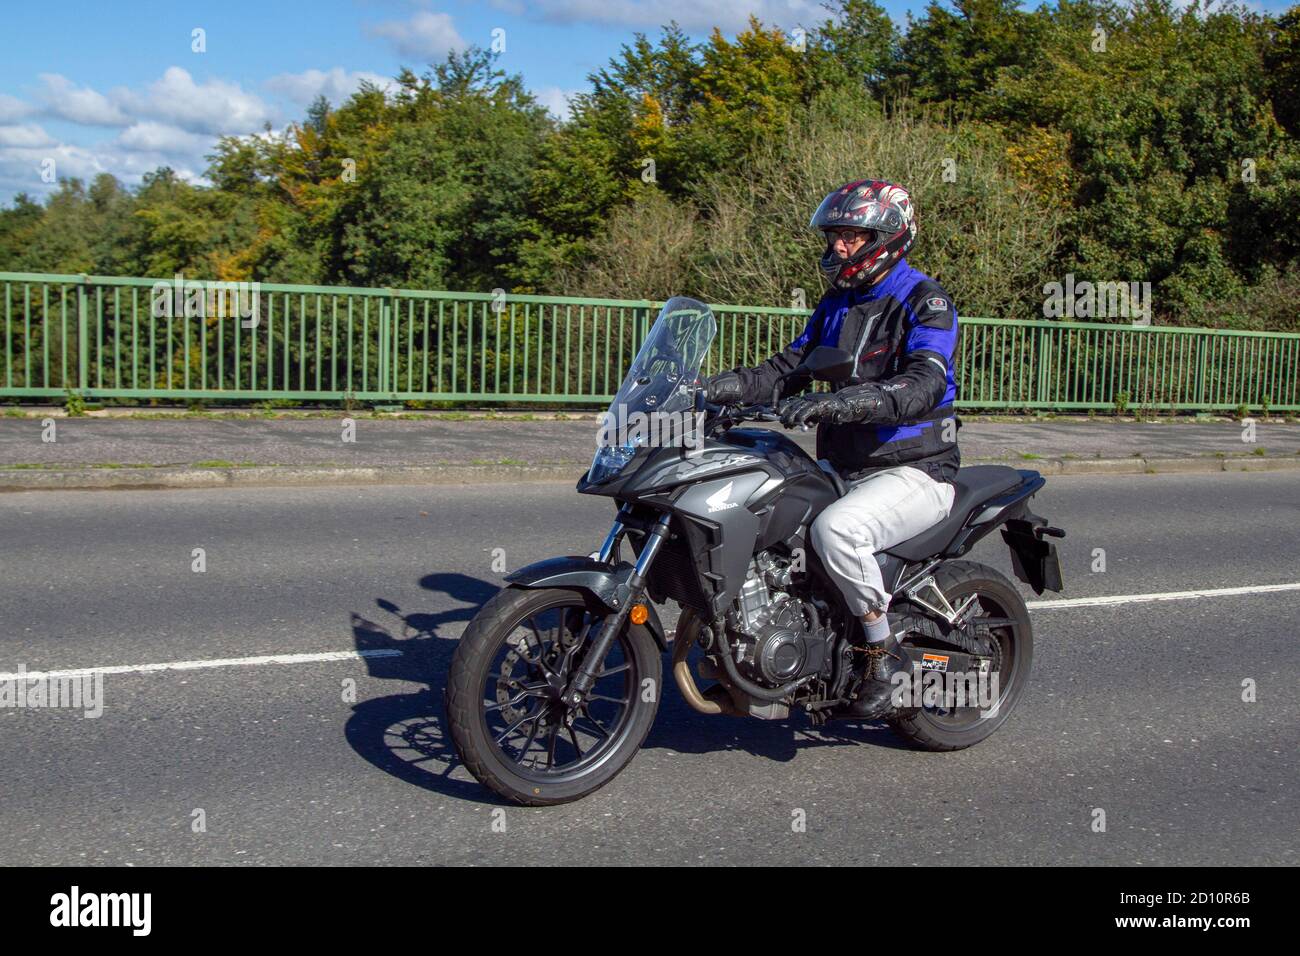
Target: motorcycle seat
(975,485)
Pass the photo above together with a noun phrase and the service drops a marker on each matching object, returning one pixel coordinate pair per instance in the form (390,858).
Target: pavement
(120,452)
(292,693)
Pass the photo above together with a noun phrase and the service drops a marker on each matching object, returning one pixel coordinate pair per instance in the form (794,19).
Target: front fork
(588,672)
(611,540)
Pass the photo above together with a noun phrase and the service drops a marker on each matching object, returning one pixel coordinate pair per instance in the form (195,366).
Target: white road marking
(393,652)
(1161,596)
(203,665)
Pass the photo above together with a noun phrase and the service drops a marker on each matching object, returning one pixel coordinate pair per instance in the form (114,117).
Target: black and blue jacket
(903,333)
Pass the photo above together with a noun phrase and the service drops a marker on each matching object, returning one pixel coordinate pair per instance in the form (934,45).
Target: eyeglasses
(850,237)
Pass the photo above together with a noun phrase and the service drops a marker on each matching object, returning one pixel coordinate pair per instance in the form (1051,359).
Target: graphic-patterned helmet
(884,210)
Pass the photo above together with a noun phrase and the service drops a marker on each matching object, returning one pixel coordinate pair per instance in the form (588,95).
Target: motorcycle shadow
(405,734)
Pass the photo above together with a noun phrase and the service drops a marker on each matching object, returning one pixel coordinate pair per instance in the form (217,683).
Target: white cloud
(13,109)
(213,107)
(27,135)
(694,16)
(426,35)
(64,99)
(335,85)
(21,166)
(556,100)
(173,121)
(153,137)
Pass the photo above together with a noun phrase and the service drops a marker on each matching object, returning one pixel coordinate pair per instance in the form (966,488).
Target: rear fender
(605,583)
(1034,560)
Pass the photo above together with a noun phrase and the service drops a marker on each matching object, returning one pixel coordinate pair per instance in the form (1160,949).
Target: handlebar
(757,413)
(724,416)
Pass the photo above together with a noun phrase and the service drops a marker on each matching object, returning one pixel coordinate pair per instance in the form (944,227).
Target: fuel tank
(791,492)
(745,491)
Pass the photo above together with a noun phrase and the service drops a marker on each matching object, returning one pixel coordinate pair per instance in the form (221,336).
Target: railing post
(1041,384)
(1200,369)
(83,336)
(384,345)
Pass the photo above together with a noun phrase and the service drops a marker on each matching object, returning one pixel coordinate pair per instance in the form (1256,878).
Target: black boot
(884,660)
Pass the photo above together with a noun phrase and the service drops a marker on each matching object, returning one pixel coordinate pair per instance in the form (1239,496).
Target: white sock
(878,630)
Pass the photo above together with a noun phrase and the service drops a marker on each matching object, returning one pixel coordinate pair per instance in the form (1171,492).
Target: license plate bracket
(1033,560)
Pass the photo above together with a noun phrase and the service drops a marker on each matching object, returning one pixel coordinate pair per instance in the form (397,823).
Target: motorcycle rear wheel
(958,728)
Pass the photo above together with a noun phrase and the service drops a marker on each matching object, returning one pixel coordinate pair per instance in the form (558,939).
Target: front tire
(520,645)
(932,729)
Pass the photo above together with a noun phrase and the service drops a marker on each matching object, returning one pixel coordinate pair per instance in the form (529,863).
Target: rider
(890,430)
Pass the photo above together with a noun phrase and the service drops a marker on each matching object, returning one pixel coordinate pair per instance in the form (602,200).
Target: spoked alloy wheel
(1009,641)
(508,720)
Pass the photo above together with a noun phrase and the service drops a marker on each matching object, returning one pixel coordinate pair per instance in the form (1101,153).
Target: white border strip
(203,665)
(1162,596)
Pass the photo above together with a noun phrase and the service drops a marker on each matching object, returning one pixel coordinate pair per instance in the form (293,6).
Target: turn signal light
(639,614)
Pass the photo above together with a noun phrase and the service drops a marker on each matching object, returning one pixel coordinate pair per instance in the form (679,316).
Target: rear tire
(998,598)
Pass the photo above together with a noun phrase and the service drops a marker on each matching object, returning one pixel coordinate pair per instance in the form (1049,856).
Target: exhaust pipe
(715,700)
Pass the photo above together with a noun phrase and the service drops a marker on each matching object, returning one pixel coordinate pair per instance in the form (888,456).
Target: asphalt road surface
(1135,707)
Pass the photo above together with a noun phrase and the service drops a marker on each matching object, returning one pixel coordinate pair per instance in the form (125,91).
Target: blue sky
(116,87)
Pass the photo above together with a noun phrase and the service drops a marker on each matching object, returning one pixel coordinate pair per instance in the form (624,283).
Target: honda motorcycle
(556,681)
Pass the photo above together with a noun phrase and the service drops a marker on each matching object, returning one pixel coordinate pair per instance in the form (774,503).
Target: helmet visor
(853,239)
(856,209)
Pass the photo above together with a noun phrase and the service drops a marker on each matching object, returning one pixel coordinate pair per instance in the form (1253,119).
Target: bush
(743,238)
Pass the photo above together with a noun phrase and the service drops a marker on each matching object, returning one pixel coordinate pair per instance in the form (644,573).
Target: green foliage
(1164,115)
(744,237)
(858,48)
(1144,141)
(1282,68)
(951,55)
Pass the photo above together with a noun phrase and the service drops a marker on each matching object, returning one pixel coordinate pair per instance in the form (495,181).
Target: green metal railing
(103,337)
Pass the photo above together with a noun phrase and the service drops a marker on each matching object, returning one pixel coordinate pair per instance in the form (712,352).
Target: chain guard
(970,635)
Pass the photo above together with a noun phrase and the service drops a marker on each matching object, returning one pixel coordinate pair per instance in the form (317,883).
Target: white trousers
(880,511)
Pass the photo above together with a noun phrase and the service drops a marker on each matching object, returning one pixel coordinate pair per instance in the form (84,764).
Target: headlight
(609,461)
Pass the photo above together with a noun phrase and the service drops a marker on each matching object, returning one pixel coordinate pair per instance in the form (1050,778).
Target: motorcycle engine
(774,635)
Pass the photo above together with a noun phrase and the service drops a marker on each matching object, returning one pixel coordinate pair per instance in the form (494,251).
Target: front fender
(608,585)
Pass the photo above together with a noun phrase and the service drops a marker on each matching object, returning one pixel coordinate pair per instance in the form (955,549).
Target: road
(1134,708)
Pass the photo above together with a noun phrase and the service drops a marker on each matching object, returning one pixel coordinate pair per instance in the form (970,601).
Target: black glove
(839,408)
(725,388)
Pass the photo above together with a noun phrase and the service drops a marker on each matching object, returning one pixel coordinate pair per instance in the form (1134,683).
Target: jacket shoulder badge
(931,305)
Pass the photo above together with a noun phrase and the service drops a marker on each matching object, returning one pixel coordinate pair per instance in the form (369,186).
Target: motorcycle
(556,681)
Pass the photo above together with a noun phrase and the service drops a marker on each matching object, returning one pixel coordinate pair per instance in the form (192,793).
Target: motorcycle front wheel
(507,720)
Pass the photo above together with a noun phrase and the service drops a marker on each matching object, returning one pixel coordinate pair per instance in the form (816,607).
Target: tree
(1282,69)
(859,44)
(951,55)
